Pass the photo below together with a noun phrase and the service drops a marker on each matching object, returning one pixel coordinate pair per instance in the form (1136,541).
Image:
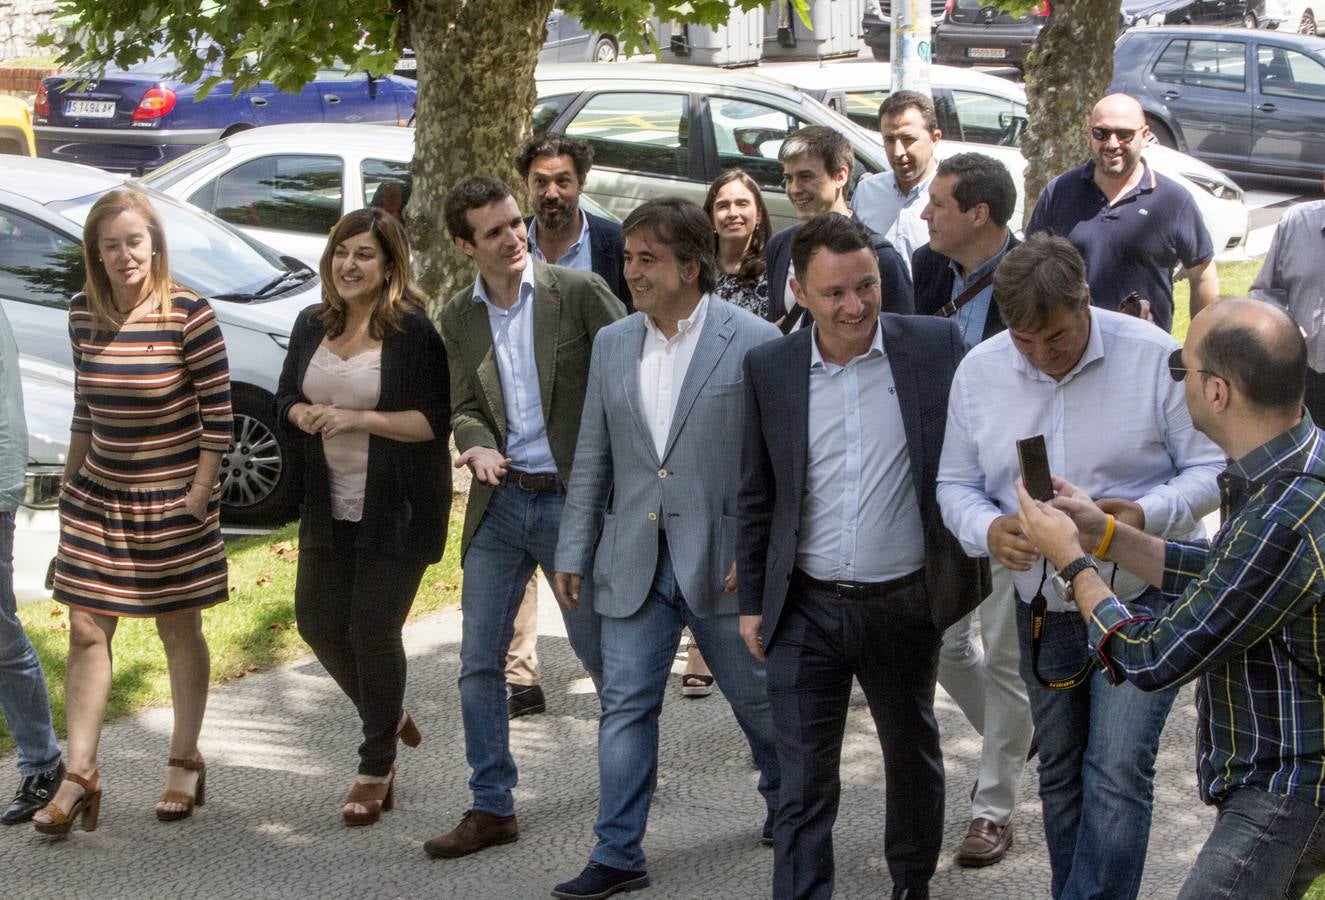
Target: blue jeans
(1263,846)
(1097,761)
(517,533)
(637,657)
(23,700)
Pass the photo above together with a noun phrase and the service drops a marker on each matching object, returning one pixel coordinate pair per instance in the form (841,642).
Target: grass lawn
(1234,281)
(254,630)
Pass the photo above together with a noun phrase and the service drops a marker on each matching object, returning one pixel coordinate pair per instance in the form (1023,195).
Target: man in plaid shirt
(1246,617)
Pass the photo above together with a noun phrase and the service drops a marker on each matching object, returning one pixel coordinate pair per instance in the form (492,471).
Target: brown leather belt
(858,590)
(535,482)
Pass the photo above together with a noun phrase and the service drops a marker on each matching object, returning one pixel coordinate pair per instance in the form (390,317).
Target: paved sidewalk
(281,753)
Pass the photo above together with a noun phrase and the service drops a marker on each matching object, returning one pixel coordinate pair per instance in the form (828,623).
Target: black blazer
(924,353)
(607,255)
(896,283)
(933,283)
(407,498)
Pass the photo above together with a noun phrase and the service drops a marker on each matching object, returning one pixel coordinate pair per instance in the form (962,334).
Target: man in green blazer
(518,343)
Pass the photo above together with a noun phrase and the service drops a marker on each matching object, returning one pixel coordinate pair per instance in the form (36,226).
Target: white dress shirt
(662,370)
(1116,425)
(880,204)
(860,518)
(527,445)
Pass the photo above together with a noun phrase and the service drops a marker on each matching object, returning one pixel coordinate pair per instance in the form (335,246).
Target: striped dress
(152,395)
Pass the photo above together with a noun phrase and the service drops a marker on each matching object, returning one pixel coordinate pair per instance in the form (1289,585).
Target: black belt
(859,590)
(536,482)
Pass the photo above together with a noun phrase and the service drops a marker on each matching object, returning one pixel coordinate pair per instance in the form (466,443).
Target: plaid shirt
(1261,718)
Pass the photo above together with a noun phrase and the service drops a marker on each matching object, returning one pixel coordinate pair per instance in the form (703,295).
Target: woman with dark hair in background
(741,229)
(366,386)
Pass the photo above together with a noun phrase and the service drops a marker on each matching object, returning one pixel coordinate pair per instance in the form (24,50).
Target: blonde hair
(399,294)
(96,284)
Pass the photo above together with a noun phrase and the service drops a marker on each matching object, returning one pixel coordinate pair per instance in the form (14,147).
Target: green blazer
(569,308)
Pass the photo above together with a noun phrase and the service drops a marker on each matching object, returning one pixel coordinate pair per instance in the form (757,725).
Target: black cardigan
(407,497)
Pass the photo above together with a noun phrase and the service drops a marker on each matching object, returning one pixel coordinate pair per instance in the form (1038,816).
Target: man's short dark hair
(1270,371)
(830,231)
(682,226)
(900,101)
(823,143)
(981,179)
(470,192)
(580,152)
(1038,278)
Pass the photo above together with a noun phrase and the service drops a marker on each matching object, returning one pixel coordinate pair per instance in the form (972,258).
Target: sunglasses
(1177,371)
(1124,135)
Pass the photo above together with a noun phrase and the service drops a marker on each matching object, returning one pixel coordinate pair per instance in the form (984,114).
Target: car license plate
(407,65)
(90,109)
(986,52)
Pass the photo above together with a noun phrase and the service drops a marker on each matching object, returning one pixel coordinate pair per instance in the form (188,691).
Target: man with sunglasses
(1094,383)
(1132,225)
(1246,618)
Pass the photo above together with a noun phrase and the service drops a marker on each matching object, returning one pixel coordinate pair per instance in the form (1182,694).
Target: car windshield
(204,254)
(164,176)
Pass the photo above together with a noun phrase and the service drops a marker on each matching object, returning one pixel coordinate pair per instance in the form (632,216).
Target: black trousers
(350,607)
(891,646)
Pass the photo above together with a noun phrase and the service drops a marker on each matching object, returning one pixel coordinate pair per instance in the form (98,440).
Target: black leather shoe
(911,893)
(524,701)
(598,881)
(34,792)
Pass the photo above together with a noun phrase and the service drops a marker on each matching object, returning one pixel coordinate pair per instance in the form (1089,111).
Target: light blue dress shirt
(880,204)
(860,518)
(527,445)
(13,424)
(578,255)
(971,318)
(1116,425)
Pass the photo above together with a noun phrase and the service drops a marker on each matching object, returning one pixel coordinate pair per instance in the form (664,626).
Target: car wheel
(605,50)
(1161,133)
(1308,23)
(235,129)
(1249,20)
(258,471)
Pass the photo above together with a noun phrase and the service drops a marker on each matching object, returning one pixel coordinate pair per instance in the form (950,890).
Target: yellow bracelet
(1103,546)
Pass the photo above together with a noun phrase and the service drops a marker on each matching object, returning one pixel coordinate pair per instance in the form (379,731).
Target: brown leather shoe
(477,830)
(985,844)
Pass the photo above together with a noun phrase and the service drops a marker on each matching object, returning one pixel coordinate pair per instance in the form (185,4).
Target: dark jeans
(350,606)
(891,646)
(1269,846)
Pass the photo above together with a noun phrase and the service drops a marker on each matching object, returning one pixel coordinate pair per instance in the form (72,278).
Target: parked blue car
(135,120)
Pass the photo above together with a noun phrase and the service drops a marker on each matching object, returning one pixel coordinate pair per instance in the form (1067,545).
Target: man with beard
(1131,225)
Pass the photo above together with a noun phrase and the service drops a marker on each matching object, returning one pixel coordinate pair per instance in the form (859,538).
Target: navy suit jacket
(896,283)
(933,285)
(923,353)
(607,255)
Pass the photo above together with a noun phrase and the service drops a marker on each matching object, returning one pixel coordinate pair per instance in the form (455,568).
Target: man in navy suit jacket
(844,567)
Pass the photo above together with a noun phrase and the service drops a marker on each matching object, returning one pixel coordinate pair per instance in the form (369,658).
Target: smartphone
(1131,305)
(1034,459)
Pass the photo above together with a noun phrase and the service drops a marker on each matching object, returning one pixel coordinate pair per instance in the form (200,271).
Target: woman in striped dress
(139,509)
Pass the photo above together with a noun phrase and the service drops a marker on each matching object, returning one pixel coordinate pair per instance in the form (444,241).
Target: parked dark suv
(971,33)
(877,26)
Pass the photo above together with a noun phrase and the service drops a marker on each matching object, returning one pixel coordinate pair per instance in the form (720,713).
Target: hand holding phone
(1033,456)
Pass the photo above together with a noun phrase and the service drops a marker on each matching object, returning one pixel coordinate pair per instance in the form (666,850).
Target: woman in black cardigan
(366,388)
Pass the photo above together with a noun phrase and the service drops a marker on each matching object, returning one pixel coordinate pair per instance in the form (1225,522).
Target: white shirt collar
(817,360)
(526,285)
(683,326)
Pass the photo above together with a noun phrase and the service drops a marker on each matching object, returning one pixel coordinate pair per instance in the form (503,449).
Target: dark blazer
(933,285)
(924,353)
(407,498)
(607,255)
(896,283)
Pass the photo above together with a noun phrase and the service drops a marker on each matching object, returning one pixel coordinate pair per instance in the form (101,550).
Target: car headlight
(1156,20)
(1219,189)
(282,340)
(41,487)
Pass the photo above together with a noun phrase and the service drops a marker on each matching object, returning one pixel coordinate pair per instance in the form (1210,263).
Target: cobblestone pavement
(280,748)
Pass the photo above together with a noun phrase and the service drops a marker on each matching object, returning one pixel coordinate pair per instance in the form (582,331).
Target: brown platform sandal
(376,797)
(88,806)
(408,733)
(198,798)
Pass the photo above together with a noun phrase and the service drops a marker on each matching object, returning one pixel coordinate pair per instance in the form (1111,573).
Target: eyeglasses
(1177,371)
(1124,135)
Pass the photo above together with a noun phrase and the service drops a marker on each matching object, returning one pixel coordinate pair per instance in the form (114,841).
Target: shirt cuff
(980,523)
(1156,511)
(1109,616)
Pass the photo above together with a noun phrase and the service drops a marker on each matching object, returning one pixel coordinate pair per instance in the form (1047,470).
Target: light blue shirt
(971,318)
(1116,425)
(513,341)
(880,204)
(860,518)
(578,256)
(13,424)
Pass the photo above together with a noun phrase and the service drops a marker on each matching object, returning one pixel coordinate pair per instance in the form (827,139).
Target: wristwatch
(1064,577)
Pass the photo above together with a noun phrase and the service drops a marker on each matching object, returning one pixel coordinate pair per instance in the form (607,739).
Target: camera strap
(1039,607)
(949,309)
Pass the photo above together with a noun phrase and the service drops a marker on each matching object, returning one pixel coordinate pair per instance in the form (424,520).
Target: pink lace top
(353,383)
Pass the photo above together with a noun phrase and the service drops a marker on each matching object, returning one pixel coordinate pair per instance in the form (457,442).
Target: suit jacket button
(662,473)
(653,517)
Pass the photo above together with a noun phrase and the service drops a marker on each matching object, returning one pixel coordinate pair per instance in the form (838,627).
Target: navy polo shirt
(1133,245)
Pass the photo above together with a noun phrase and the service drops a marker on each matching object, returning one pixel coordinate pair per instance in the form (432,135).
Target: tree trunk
(476,91)
(1068,71)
